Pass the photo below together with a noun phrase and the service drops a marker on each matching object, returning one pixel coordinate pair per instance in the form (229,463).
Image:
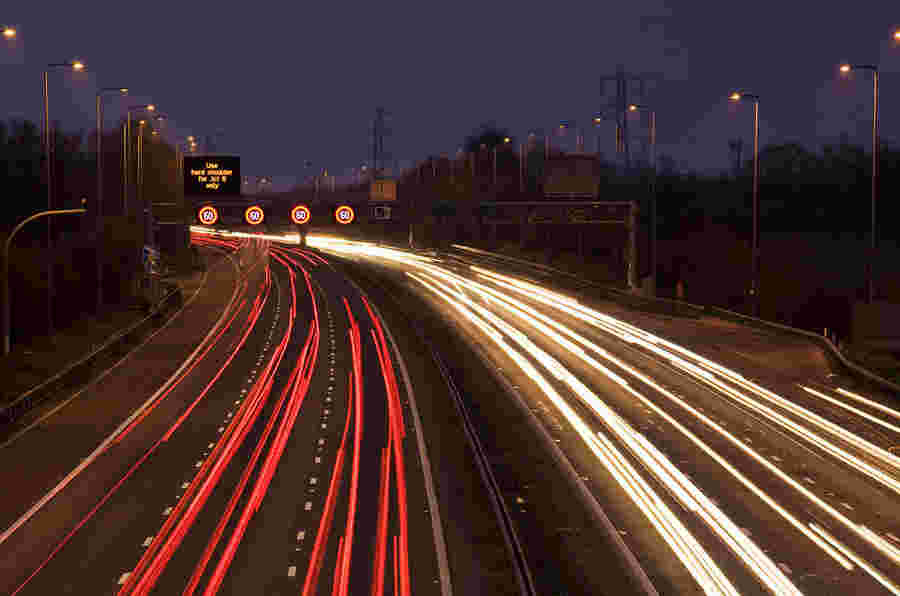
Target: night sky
(289,82)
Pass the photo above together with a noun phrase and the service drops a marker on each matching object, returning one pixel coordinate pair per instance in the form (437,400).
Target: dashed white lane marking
(211,445)
(198,464)
(185,485)
(124,577)
(313,480)
(324,426)
(237,401)
(301,535)
(148,541)
(221,429)
(318,459)
(229,415)
(321,441)
(167,511)
(307,506)
(292,571)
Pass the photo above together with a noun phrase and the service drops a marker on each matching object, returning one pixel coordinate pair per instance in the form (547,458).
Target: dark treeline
(75,245)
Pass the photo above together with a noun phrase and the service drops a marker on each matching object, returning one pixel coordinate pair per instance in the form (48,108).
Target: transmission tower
(629,89)
(379,131)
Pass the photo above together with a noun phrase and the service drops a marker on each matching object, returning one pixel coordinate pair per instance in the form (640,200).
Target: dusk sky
(289,82)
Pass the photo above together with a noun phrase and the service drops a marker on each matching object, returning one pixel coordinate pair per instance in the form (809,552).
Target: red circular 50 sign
(344,214)
(208,215)
(254,215)
(300,214)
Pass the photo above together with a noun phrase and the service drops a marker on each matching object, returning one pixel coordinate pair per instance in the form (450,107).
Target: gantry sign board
(556,212)
(212,175)
(383,190)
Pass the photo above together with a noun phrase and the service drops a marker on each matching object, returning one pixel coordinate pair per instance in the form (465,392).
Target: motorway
(722,477)
(280,459)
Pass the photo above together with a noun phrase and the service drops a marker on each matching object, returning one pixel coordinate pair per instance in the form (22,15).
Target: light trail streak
(869,402)
(245,476)
(631,335)
(168,539)
(680,540)
(547,326)
(308,357)
(396,436)
(658,346)
(850,408)
(357,404)
(689,494)
(310,584)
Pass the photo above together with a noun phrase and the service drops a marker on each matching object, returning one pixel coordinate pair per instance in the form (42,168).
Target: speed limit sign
(208,215)
(344,214)
(300,214)
(253,215)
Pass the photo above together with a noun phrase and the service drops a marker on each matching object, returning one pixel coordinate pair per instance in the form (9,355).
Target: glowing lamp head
(9,33)
(78,65)
(735,96)
(896,35)
(845,68)
(506,139)
(190,139)
(142,122)
(632,108)
(123,90)
(151,107)
(598,120)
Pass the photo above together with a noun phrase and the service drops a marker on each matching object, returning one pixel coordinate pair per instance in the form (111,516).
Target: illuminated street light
(754,287)
(9,32)
(49,151)
(897,35)
(870,262)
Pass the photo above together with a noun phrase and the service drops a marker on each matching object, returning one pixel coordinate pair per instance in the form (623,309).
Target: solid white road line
(108,440)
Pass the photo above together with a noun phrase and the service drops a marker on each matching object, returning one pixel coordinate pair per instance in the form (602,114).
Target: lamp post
(98,209)
(126,172)
(870,262)
(754,287)
(49,151)
(5,278)
(653,206)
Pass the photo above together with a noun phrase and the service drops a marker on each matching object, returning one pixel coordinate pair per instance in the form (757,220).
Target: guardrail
(722,312)
(37,394)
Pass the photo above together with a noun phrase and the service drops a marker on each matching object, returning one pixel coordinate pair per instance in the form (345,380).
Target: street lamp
(5,260)
(9,32)
(75,65)
(870,262)
(754,288)
(126,151)
(98,210)
(653,206)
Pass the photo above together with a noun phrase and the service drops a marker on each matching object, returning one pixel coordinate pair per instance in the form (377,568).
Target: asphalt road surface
(724,472)
(281,459)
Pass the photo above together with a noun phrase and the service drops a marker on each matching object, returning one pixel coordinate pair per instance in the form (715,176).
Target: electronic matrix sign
(212,175)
